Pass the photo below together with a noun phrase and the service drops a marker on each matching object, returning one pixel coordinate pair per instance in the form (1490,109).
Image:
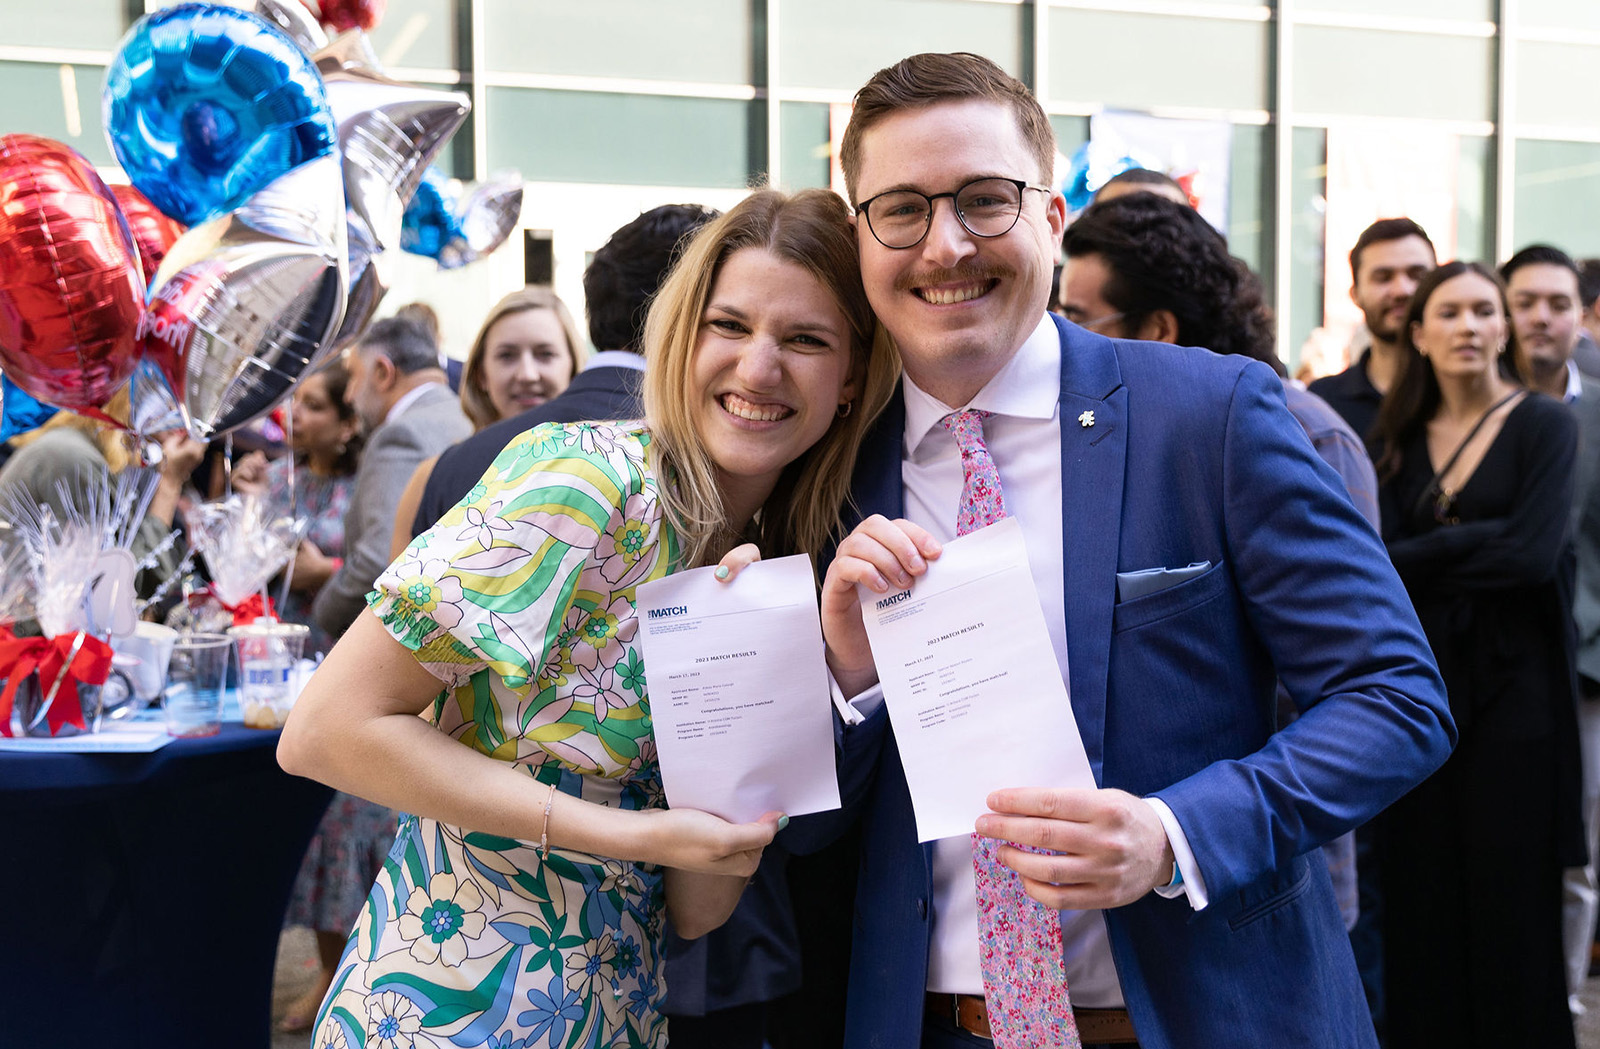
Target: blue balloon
(1075,183)
(19,412)
(204,105)
(430,222)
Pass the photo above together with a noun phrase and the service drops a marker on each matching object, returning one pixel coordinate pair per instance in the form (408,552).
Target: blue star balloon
(430,221)
(205,104)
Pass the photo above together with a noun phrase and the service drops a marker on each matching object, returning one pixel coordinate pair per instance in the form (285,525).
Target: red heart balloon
(152,231)
(71,289)
(341,15)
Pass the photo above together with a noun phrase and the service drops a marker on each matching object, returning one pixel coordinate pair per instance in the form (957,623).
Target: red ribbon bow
(249,610)
(54,660)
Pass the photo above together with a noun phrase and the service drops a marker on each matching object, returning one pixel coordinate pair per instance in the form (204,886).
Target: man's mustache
(959,275)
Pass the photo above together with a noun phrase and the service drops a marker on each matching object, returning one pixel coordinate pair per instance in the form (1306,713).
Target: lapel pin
(1086,420)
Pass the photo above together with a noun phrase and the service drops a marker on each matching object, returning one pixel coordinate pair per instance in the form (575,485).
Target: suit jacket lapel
(1094,443)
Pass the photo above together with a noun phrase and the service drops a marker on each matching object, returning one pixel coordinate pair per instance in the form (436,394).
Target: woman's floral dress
(521,600)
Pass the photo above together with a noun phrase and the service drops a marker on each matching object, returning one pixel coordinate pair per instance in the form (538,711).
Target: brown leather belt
(1095,1026)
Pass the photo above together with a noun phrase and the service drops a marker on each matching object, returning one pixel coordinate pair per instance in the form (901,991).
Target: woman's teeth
(736,405)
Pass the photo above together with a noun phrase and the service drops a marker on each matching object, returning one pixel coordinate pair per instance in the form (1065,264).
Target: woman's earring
(845,409)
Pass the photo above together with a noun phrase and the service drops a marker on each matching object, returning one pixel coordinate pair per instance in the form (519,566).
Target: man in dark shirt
(1389,257)
(617,288)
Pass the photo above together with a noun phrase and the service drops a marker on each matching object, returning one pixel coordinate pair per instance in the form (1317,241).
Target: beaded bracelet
(544,828)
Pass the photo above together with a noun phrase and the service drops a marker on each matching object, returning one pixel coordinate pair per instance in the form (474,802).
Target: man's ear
(382,371)
(1159,326)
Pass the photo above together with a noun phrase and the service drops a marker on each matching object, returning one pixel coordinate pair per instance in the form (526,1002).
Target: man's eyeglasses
(986,207)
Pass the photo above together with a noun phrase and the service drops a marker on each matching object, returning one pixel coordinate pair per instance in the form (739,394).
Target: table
(144,892)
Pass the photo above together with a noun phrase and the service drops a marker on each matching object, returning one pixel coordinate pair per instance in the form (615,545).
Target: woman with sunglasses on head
(1476,478)
(523,900)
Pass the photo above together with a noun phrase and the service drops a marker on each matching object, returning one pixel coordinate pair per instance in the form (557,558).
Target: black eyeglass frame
(953,195)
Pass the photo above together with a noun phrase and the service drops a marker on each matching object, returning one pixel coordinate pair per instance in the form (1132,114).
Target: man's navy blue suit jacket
(1191,457)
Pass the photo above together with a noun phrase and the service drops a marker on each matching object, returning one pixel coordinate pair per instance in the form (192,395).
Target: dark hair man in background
(1587,353)
(1142,180)
(1544,290)
(617,288)
(1388,259)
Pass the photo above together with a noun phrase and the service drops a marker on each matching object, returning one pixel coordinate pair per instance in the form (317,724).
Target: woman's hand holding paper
(691,840)
(881,555)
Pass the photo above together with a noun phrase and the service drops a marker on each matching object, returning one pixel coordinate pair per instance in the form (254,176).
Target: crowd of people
(1334,652)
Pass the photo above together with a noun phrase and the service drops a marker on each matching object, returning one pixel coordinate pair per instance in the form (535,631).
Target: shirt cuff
(1193,884)
(855,711)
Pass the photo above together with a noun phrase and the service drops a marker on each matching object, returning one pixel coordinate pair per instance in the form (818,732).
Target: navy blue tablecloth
(144,892)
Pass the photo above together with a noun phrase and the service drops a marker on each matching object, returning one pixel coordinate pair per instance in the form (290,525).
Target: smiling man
(1187,546)
(1388,259)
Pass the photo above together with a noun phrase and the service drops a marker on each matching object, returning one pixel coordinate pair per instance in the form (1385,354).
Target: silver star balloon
(389,132)
(245,304)
(487,215)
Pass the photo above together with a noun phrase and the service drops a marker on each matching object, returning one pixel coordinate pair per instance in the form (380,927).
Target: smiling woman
(527,352)
(530,870)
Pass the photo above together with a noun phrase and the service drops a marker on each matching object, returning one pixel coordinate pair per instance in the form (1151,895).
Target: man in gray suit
(1542,288)
(399,390)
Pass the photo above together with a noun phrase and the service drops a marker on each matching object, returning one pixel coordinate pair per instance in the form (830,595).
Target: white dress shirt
(1023,434)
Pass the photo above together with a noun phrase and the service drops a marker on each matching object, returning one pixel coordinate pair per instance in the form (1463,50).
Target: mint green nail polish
(722,572)
(783,821)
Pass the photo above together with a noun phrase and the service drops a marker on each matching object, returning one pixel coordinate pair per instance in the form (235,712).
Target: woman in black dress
(1476,477)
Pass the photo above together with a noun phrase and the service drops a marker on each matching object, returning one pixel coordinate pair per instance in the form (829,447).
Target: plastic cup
(195,680)
(268,653)
(149,650)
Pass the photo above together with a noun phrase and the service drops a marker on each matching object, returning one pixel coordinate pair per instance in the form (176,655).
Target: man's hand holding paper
(1085,847)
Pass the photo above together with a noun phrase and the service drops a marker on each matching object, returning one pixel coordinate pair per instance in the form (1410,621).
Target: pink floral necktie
(1019,938)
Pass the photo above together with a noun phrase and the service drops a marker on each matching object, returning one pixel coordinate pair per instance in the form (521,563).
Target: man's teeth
(755,413)
(947,296)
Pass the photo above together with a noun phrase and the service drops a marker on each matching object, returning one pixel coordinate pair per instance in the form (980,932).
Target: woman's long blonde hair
(475,399)
(810,229)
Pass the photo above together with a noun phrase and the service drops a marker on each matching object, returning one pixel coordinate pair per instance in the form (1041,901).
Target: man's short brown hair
(926,79)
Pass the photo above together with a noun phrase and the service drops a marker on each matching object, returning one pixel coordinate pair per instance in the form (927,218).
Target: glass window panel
(1475,199)
(56,101)
(653,140)
(1305,264)
(1250,199)
(1327,81)
(1555,84)
(703,41)
(1557,199)
(420,34)
(840,43)
(1445,10)
(88,24)
(1559,14)
(806,145)
(1071,132)
(1202,62)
